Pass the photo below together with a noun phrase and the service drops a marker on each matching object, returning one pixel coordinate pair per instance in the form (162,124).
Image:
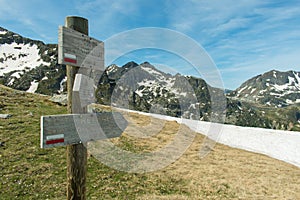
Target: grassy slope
(28,172)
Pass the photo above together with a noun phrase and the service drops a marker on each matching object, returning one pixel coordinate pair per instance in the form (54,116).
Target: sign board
(83,92)
(62,130)
(79,50)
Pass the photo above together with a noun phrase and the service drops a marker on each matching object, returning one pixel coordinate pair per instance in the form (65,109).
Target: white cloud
(241,36)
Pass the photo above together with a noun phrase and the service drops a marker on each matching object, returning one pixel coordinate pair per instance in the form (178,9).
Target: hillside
(28,172)
(275,96)
(145,88)
(30,65)
(270,100)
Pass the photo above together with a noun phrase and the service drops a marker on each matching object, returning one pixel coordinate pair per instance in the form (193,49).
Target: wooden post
(76,154)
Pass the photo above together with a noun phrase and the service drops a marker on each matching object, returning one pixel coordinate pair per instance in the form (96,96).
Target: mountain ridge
(273,88)
(31,65)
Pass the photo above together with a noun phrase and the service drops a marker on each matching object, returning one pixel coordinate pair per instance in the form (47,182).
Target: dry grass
(28,172)
(225,173)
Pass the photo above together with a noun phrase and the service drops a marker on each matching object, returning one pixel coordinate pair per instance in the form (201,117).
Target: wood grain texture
(81,128)
(88,51)
(77,153)
(83,92)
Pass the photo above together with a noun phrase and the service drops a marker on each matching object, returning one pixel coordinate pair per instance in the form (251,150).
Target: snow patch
(297,76)
(150,70)
(19,57)
(11,82)
(61,89)
(33,87)
(112,69)
(139,92)
(289,101)
(252,90)
(242,89)
(3,32)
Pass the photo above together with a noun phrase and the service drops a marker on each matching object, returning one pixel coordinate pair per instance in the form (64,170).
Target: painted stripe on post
(70,58)
(67,55)
(55,141)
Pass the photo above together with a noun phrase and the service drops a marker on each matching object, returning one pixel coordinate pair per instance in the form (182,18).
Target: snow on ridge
(3,32)
(151,71)
(239,91)
(297,76)
(111,69)
(292,85)
(19,57)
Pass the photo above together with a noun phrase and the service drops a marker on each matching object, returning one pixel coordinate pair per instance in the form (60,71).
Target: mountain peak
(130,65)
(3,29)
(273,88)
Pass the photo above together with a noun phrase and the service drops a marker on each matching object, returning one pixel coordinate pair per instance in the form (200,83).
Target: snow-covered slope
(278,144)
(19,58)
(29,65)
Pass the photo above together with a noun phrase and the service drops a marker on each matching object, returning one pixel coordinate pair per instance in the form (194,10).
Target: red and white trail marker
(70,58)
(54,139)
(79,50)
(62,130)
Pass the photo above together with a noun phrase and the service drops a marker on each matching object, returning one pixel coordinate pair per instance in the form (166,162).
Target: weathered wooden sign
(80,50)
(62,130)
(83,92)
(76,49)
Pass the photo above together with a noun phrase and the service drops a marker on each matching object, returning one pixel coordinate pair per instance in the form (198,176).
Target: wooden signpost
(63,130)
(77,50)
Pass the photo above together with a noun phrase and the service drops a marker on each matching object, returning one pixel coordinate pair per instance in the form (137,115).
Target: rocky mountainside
(273,88)
(31,66)
(145,88)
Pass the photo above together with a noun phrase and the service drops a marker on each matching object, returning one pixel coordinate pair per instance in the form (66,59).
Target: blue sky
(244,38)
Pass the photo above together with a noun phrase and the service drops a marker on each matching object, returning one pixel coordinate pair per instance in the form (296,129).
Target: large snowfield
(278,144)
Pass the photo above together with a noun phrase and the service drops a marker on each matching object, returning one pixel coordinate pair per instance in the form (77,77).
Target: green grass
(29,172)
(26,170)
